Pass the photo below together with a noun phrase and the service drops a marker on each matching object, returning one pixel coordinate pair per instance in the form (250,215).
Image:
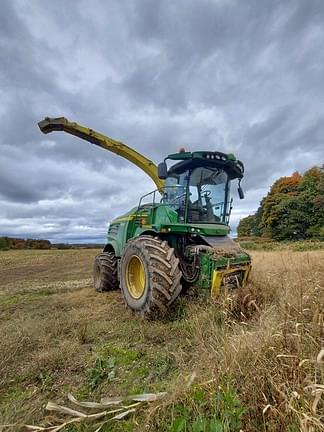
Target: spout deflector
(52,124)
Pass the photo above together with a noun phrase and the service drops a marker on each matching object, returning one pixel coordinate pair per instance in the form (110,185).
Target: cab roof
(191,160)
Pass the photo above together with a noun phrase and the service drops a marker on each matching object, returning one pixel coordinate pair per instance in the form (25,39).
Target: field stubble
(249,361)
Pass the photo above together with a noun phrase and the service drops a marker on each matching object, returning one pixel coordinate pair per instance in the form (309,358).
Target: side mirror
(162,170)
(240,192)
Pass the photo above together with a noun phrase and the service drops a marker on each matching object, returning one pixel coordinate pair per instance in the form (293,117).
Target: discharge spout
(49,125)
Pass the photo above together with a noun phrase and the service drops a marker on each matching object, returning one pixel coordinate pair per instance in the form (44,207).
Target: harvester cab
(198,186)
(177,236)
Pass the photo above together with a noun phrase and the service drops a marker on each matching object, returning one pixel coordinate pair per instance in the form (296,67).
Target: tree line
(292,210)
(7,243)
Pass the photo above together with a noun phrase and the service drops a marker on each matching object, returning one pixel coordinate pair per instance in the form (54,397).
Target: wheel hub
(135,277)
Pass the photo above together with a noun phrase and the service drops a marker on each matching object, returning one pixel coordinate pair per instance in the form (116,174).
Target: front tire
(105,272)
(149,276)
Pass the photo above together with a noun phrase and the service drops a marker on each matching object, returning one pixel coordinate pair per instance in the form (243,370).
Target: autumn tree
(293,208)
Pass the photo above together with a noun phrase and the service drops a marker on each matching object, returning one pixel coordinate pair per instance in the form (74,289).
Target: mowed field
(247,361)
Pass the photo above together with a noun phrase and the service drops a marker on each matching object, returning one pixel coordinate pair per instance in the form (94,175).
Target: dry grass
(249,358)
(263,343)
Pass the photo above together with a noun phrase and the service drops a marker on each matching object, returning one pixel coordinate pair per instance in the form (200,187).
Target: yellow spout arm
(62,124)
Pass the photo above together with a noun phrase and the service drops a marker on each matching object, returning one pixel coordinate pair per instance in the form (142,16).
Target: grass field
(246,362)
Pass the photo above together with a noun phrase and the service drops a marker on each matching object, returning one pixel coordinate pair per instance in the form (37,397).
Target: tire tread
(163,272)
(108,280)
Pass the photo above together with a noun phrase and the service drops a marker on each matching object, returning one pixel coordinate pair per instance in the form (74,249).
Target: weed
(46,380)
(161,367)
(103,369)
(205,412)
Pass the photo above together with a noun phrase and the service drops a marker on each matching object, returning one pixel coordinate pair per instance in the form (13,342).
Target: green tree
(246,226)
(4,245)
(311,193)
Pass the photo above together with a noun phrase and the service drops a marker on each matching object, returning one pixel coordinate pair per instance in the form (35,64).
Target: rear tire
(105,272)
(150,278)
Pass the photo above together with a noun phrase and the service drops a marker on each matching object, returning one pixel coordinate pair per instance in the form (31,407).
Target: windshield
(199,196)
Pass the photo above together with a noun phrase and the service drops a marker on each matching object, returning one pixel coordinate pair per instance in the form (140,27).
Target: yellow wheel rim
(135,277)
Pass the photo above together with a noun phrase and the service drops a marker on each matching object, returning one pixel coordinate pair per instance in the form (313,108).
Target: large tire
(105,272)
(150,278)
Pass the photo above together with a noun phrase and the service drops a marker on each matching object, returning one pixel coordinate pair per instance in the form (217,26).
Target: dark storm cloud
(243,77)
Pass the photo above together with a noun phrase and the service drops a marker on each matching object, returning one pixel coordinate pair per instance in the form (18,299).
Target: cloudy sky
(236,76)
